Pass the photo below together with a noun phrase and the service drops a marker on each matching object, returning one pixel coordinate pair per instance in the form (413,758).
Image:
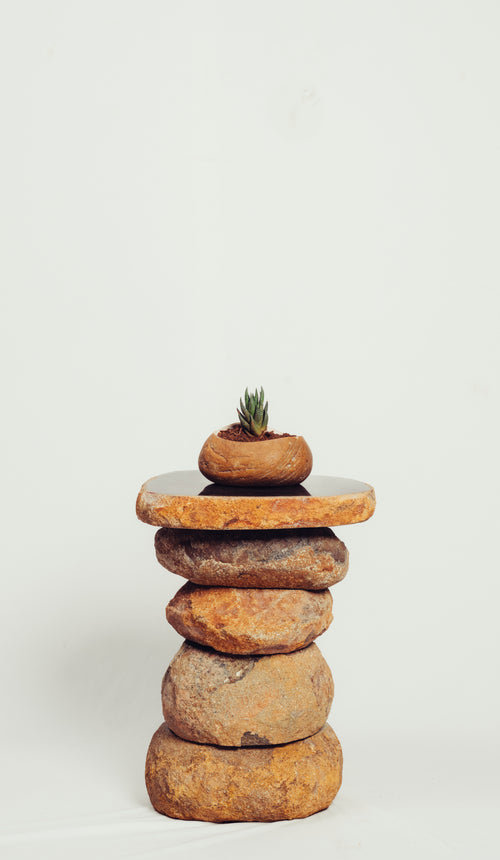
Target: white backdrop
(201,196)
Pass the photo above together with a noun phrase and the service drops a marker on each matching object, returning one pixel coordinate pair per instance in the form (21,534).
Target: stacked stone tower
(246,698)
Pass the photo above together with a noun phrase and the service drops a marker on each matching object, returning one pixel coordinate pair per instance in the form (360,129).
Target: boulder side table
(246,698)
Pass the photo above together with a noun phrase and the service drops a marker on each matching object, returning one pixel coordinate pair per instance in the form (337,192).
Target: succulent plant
(253,415)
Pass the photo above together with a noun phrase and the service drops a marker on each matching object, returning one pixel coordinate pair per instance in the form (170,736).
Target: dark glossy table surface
(192,483)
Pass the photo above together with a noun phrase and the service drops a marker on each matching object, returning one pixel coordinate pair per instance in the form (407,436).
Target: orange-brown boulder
(215,698)
(283,461)
(312,558)
(250,620)
(209,783)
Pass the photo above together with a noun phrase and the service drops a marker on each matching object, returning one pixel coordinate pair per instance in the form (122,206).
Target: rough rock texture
(216,698)
(181,500)
(209,783)
(250,620)
(273,462)
(281,558)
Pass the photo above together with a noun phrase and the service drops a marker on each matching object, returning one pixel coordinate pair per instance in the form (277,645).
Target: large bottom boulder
(210,783)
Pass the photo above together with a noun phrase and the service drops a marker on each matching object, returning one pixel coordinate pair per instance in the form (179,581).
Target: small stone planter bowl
(272,462)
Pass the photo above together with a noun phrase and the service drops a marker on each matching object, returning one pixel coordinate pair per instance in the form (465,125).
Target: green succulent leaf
(244,424)
(253,413)
(244,411)
(259,409)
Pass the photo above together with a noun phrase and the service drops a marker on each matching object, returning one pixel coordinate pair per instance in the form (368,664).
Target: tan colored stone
(184,500)
(274,462)
(209,783)
(216,698)
(250,620)
(281,558)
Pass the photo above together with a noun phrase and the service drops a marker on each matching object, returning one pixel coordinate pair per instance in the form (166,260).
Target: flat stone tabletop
(188,500)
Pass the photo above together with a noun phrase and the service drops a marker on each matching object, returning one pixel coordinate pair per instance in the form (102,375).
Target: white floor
(399,800)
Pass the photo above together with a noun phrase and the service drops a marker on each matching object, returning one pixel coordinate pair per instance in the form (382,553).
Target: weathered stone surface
(283,461)
(250,620)
(210,783)
(216,698)
(280,558)
(184,500)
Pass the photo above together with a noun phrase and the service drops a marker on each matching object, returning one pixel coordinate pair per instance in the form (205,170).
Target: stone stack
(246,698)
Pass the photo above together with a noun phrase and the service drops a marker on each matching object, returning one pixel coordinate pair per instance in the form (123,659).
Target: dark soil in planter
(236,434)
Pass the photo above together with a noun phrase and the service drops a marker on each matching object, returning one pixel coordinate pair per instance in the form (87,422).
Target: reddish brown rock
(282,558)
(210,783)
(183,500)
(216,698)
(272,462)
(250,620)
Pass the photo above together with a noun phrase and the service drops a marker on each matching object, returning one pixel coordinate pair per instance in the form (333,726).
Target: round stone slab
(185,500)
(214,698)
(209,783)
(250,620)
